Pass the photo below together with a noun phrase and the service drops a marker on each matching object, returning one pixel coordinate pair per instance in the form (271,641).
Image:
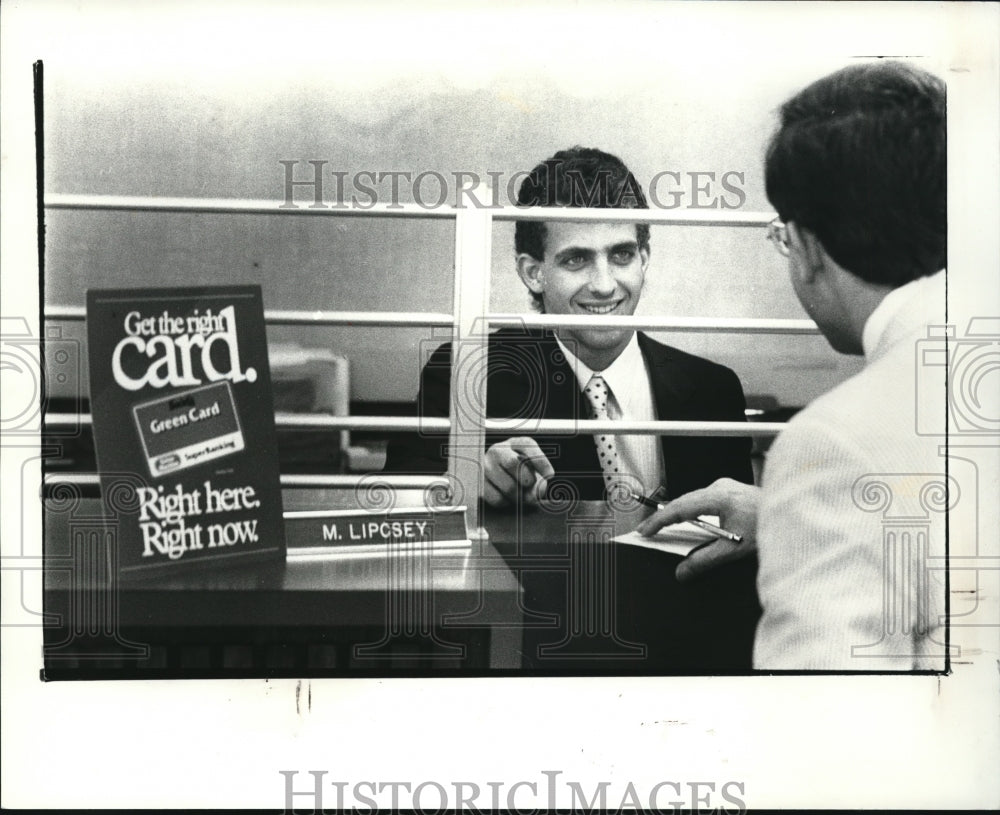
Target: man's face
(589,269)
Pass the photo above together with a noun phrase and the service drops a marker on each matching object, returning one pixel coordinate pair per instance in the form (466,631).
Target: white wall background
(153,117)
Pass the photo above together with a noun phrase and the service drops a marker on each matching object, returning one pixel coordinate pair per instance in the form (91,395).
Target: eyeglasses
(777,233)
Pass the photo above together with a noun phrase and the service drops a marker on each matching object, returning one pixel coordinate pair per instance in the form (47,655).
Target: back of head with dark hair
(578,177)
(860,160)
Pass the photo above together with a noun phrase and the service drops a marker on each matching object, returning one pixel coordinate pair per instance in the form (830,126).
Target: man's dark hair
(578,177)
(860,160)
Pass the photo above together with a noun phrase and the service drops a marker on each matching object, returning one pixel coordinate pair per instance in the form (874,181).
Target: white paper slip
(677,539)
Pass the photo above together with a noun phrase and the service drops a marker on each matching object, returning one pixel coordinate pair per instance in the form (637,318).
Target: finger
(528,450)
(493,496)
(706,558)
(707,501)
(499,479)
(512,468)
(500,458)
(524,474)
(538,492)
(514,478)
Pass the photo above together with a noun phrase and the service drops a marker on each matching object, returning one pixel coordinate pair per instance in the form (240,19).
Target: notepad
(677,539)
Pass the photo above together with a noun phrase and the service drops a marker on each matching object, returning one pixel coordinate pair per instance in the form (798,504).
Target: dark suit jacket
(529,377)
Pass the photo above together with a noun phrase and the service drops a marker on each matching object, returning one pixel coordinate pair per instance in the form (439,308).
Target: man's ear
(809,249)
(531,273)
(644,257)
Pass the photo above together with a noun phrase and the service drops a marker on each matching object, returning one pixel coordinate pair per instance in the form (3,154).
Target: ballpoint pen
(715,530)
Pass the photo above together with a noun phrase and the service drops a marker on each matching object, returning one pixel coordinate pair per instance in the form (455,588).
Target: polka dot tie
(598,394)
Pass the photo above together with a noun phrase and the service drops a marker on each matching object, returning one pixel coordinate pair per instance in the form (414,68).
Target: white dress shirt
(632,400)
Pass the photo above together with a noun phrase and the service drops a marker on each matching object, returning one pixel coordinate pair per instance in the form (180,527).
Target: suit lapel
(672,390)
(672,384)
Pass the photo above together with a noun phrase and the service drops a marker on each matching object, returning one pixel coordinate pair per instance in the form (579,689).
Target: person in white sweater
(849,523)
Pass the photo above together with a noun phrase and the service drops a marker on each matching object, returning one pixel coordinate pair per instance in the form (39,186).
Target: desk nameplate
(320,532)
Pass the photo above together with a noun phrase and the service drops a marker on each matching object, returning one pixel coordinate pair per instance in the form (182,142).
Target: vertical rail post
(473,256)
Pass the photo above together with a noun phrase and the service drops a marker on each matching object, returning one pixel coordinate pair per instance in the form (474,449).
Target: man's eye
(623,257)
(574,262)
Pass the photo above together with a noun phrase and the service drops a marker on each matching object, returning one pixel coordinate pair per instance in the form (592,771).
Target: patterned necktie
(598,394)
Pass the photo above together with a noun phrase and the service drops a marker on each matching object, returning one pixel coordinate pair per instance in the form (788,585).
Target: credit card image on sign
(189,428)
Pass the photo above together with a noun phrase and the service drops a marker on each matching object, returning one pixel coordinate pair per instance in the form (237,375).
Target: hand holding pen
(718,531)
(735,504)
(516,472)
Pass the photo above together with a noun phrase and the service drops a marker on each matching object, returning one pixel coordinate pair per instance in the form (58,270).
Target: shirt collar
(621,376)
(901,301)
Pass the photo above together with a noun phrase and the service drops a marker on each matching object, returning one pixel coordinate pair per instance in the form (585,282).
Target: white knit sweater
(852,529)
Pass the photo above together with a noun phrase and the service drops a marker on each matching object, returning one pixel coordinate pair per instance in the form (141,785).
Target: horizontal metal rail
(302,421)
(388,423)
(128,203)
(233,206)
(736,325)
(634,216)
(401,482)
(315,318)
(632,428)
(359,318)
(695,325)
(512,426)
(397,481)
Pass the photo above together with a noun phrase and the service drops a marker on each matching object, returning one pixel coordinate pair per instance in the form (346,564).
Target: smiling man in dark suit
(586,268)
(599,269)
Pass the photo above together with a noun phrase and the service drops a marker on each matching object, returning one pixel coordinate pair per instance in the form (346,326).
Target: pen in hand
(715,530)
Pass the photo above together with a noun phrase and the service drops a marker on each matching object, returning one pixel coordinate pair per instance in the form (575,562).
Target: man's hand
(515,470)
(735,504)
